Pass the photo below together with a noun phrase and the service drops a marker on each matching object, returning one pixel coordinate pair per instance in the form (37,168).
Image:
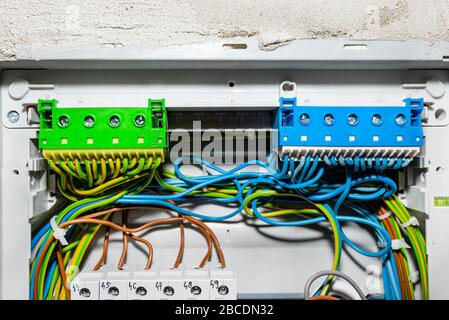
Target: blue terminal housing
(349,127)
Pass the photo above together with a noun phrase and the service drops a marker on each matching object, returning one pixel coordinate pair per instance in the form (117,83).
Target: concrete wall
(26,25)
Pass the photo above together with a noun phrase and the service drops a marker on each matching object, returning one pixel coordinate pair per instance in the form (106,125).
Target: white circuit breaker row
(108,283)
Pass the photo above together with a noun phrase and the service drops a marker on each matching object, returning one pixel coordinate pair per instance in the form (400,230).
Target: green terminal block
(102,133)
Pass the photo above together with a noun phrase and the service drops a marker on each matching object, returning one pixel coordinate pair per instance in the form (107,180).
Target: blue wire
(49,278)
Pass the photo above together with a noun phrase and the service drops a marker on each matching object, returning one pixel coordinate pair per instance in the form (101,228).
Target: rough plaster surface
(157,23)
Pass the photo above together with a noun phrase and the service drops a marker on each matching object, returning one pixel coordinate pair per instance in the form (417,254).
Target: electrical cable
(334,273)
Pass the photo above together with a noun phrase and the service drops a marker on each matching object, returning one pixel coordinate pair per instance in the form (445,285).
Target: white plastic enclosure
(266,261)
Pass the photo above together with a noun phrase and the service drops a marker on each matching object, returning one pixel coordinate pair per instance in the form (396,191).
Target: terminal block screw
(223,290)
(376,119)
(352,119)
(400,120)
(195,290)
(169,291)
(63,121)
(141,291)
(304,119)
(139,120)
(89,121)
(113,291)
(13,116)
(329,119)
(114,121)
(84,292)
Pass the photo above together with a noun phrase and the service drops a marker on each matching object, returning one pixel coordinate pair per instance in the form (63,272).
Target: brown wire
(399,259)
(400,264)
(205,228)
(125,241)
(181,245)
(209,244)
(150,224)
(149,246)
(181,241)
(146,226)
(327,298)
(207,232)
(105,249)
(113,210)
(390,231)
(42,256)
(214,240)
(62,272)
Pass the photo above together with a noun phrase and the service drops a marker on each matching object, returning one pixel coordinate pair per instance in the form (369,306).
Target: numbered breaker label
(209,283)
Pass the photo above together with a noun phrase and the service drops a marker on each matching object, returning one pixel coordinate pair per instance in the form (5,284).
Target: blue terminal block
(365,131)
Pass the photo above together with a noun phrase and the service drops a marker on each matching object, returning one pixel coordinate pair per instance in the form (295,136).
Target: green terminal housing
(99,130)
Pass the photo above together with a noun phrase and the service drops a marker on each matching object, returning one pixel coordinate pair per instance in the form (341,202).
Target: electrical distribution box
(232,174)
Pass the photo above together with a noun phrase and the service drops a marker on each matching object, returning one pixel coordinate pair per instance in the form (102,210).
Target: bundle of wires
(299,193)
(90,186)
(51,281)
(89,178)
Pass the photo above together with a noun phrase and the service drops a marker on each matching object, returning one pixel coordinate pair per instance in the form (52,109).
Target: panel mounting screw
(376,119)
(89,121)
(400,119)
(13,116)
(84,292)
(141,291)
(223,290)
(195,290)
(329,119)
(304,119)
(139,120)
(114,121)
